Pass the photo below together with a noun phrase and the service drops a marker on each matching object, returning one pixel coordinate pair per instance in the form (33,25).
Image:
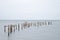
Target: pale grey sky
(29,9)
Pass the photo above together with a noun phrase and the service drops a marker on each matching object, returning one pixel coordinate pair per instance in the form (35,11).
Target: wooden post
(5,28)
(8,31)
(11,29)
(14,29)
(18,27)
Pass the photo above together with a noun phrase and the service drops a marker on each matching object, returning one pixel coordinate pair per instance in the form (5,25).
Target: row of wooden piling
(10,28)
(23,26)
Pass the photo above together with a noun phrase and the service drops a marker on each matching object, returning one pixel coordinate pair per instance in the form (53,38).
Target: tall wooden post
(11,29)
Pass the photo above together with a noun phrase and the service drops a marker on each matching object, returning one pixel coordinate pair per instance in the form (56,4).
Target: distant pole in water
(18,27)
(49,23)
(14,29)
(11,29)
(5,28)
(8,31)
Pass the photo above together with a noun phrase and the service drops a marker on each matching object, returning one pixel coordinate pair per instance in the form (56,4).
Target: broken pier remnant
(20,26)
(9,28)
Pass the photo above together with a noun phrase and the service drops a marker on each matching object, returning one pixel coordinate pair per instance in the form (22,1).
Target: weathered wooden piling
(8,31)
(14,29)
(18,27)
(5,28)
(10,28)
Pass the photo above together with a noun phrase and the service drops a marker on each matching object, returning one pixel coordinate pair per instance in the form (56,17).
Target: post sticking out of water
(11,29)
(5,28)
(8,31)
(18,27)
(14,29)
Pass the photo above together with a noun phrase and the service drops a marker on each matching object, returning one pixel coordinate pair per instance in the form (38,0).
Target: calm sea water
(50,32)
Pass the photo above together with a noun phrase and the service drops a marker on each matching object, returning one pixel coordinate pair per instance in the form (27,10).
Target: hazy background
(29,9)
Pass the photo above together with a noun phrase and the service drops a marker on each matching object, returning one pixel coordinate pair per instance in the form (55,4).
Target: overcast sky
(29,9)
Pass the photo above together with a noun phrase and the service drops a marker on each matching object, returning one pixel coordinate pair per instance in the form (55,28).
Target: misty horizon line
(29,20)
